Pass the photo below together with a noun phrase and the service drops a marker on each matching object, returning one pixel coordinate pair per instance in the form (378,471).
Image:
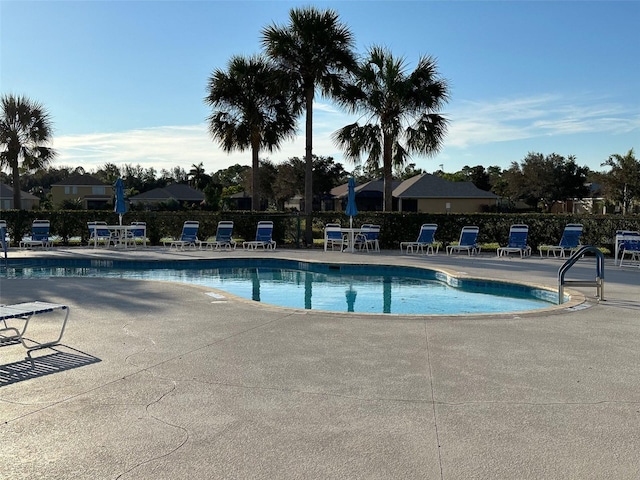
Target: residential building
(175,192)
(27,200)
(421,193)
(90,192)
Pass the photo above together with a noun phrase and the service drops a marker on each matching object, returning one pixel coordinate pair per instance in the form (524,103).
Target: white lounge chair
(188,237)
(39,235)
(468,241)
(570,241)
(223,237)
(518,235)
(425,240)
(264,240)
(631,246)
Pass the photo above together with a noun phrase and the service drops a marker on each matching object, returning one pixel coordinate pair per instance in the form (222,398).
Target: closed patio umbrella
(120,206)
(352,209)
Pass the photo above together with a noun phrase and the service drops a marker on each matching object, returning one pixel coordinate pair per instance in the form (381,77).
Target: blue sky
(124,81)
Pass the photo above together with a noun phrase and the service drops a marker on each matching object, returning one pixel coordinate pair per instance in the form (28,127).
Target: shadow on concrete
(45,365)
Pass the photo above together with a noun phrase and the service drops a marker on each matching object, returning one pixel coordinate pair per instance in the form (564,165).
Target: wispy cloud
(477,123)
(473,123)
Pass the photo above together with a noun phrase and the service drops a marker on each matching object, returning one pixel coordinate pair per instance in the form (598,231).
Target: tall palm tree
(316,49)
(252,108)
(197,176)
(399,111)
(25,131)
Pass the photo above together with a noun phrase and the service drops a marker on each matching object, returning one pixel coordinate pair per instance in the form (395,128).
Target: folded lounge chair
(570,241)
(518,235)
(189,236)
(39,235)
(425,240)
(333,236)
(223,237)
(264,232)
(468,241)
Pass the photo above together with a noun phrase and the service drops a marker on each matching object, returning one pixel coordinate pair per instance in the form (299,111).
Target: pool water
(344,288)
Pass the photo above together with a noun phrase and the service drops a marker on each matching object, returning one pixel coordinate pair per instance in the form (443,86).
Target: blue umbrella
(120,206)
(352,209)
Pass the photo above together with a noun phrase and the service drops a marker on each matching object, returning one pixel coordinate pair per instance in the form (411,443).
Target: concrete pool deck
(159,380)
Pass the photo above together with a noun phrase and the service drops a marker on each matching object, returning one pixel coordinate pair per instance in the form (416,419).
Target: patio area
(168,381)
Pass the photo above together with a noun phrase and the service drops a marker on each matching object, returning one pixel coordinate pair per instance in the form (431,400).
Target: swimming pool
(316,286)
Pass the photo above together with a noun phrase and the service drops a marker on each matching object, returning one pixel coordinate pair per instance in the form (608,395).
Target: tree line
(537,181)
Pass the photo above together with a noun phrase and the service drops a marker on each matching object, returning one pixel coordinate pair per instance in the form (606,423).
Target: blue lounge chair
(570,241)
(631,246)
(425,240)
(223,237)
(39,235)
(518,235)
(189,236)
(333,236)
(264,240)
(468,241)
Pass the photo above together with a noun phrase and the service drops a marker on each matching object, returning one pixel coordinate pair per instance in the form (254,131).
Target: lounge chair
(368,237)
(223,237)
(631,246)
(518,235)
(570,241)
(39,235)
(333,236)
(188,237)
(425,240)
(14,321)
(468,241)
(264,232)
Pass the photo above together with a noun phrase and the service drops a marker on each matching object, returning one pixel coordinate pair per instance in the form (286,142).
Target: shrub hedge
(599,230)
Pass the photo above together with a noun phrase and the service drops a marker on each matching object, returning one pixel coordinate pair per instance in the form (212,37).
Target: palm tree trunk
(388,172)
(255,176)
(15,172)
(308,172)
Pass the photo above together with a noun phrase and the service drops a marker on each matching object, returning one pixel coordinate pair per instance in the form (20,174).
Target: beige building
(27,200)
(422,193)
(90,192)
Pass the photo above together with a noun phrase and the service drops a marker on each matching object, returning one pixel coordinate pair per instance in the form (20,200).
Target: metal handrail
(598,282)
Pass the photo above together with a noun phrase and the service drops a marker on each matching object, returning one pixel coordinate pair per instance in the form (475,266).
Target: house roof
(77,180)
(430,186)
(372,186)
(177,191)
(420,186)
(6,192)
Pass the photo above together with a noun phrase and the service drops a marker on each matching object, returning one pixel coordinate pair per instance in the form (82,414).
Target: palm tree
(400,110)
(25,130)
(252,109)
(316,49)
(198,177)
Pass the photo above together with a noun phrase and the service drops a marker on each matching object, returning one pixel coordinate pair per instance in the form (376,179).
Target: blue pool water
(304,285)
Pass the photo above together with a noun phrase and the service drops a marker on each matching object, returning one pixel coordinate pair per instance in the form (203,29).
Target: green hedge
(396,227)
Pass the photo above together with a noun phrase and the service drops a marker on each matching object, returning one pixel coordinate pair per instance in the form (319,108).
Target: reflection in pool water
(342,288)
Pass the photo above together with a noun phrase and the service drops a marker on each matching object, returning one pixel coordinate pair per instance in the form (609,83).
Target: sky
(124,81)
